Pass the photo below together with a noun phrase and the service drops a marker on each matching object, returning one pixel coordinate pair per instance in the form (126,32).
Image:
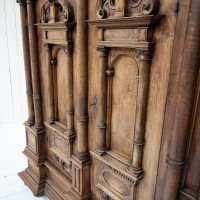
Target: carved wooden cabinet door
(113,99)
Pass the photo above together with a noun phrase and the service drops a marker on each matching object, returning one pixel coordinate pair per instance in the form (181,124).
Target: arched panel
(124,95)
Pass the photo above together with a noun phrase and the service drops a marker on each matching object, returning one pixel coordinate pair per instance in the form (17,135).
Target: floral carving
(57,11)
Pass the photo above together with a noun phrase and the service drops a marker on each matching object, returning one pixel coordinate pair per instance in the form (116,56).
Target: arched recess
(122,99)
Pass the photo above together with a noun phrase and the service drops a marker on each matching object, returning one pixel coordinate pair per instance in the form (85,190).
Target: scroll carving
(105,8)
(108,8)
(57,11)
(65,166)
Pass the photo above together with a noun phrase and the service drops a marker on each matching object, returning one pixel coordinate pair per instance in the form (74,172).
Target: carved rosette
(57,11)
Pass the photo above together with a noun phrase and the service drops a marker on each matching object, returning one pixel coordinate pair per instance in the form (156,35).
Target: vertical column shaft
(33,42)
(27,63)
(82,81)
(69,79)
(50,86)
(141,110)
(180,102)
(102,105)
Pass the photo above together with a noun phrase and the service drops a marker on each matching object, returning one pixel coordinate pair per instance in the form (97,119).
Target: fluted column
(102,105)
(27,64)
(50,86)
(69,80)
(142,97)
(82,81)
(33,42)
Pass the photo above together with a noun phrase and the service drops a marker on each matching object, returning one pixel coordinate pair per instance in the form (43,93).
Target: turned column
(69,78)
(50,86)
(82,80)
(180,102)
(102,105)
(27,63)
(142,97)
(33,42)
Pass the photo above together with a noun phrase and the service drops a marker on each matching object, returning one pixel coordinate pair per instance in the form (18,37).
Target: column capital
(30,1)
(21,2)
(48,46)
(144,54)
(103,51)
(68,49)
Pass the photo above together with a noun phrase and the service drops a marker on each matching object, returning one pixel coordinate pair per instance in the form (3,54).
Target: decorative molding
(175,164)
(57,11)
(123,173)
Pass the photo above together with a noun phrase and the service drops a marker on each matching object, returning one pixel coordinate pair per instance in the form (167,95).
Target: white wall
(12,82)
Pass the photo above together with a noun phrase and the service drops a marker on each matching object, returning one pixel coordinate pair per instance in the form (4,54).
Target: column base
(81,178)
(100,151)
(82,156)
(136,171)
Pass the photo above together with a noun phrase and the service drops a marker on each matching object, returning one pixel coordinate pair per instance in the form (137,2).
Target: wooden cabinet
(113,98)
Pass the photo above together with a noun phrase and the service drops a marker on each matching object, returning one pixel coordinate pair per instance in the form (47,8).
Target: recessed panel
(61,88)
(124,94)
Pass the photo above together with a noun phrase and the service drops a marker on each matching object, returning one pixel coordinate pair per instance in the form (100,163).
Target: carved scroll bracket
(125,8)
(57,11)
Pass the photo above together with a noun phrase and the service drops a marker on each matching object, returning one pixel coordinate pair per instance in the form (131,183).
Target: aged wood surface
(118,79)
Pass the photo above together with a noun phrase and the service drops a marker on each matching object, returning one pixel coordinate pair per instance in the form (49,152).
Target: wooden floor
(12,161)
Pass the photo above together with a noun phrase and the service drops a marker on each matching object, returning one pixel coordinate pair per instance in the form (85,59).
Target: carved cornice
(57,11)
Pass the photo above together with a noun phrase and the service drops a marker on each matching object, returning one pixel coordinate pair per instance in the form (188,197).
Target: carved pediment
(125,8)
(57,11)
